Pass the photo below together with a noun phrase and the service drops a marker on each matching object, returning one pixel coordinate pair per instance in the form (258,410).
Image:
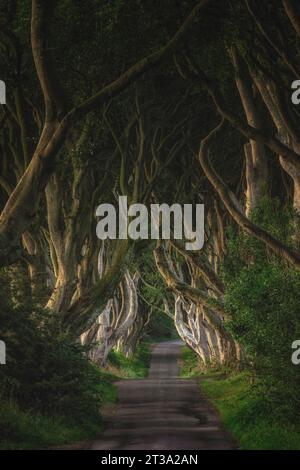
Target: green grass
(107,389)
(242,408)
(28,430)
(190,365)
(22,429)
(247,417)
(135,367)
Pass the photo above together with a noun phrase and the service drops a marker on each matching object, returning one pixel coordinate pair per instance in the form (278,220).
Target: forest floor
(163,411)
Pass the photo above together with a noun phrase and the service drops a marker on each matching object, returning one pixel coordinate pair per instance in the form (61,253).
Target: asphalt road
(163,412)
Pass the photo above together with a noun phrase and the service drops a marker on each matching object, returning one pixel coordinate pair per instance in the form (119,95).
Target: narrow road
(163,412)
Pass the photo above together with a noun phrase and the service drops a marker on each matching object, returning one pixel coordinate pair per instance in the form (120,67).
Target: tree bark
(21,207)
(232,205)
(256,164)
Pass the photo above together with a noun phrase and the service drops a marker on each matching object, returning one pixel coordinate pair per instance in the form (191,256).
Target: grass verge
(135,367)
(246,416)
(189,364)
(22,429)
(242,408)
(27,429)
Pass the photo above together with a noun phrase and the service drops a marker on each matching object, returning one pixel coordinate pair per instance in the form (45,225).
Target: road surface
(163,412)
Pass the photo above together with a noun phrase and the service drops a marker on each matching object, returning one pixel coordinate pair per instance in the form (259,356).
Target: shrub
(45,370)
(262,299)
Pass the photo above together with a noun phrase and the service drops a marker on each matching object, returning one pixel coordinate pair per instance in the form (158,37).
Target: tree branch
(291,256)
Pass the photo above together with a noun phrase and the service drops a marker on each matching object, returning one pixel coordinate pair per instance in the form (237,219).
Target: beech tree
(58,122)
(200,118)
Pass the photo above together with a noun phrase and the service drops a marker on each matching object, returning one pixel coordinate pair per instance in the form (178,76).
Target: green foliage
(152,294)
(244,409)
(247,416)
(50,393)
(262,299)
(190,364)
(160,328)
(152,288)
(45,370)
(107,390)
(244,251)
(30,430)
(135,367)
